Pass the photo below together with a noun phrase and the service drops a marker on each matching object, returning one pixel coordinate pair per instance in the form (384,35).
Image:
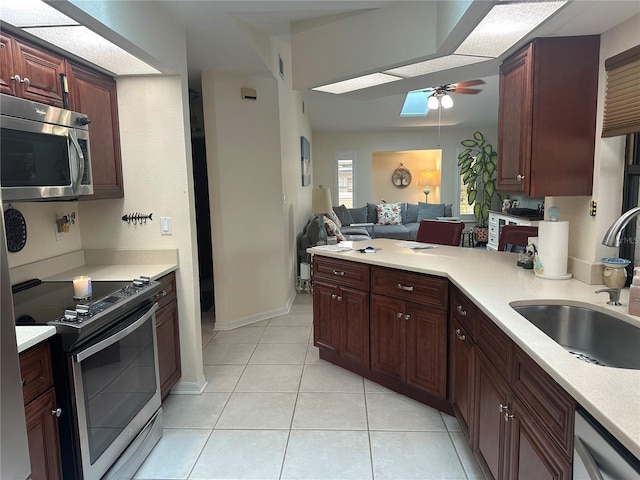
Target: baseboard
(190,388)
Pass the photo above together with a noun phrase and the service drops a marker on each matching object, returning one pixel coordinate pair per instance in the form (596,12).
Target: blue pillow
(448,210)
(430,211)
(372,213)
(410,213)
(359,215)
(343,214)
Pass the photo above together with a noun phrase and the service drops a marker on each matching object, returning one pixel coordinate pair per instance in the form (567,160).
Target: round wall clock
(401,177)
(16,230)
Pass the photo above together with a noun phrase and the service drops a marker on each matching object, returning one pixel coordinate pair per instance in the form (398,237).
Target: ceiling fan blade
(470,91)
(470,83)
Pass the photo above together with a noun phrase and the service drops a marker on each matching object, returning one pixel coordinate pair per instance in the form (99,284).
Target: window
(630,199)
(345,162)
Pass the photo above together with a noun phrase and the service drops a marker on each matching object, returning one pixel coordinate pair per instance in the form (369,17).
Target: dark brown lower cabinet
(41,412)
(461,376)
(510,443)
(168,335)
(409,344)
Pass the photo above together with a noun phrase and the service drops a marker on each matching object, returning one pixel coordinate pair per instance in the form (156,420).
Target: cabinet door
(42,434)
(40,73)
(326,325)
(95,95)
(461,374)
(426,347)
(7,84)
(534,456)
(388,333)
(168,335)
(354,328)
(490,427)
(514,123)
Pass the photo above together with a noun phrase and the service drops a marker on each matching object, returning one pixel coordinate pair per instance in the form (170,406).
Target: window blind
(622,98)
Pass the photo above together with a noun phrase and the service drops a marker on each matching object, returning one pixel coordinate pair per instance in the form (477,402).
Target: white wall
(364,144)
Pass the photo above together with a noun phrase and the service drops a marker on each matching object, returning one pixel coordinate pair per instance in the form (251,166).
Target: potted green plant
(478,162)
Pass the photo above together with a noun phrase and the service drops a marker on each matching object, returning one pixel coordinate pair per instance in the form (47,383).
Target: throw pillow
(430,211)
(332,229)
(359,215)
(343,215)
(410,213)
(448,210)
(389,214)
(372,213)
(332,215)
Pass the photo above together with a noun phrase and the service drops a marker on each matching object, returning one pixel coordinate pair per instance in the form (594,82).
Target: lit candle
(82,287)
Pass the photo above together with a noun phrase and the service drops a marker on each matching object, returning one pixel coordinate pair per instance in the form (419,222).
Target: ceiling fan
(440,94)
(418,102)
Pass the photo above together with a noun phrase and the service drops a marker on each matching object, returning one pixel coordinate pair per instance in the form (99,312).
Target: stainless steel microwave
(44,151)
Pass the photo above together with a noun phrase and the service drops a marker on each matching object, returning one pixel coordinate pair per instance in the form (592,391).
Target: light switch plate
(165,226)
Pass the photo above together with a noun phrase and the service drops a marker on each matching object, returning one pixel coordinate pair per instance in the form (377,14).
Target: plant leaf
(480,157)
(464,170)
(494,158)
(486,176)
(477,211)
(490,167)
(485,212)
(472,196)
(490,188)
(465,153)
(469,143)
(488,150)
(478,136)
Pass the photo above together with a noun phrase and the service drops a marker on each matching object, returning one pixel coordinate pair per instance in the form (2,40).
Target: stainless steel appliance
(597,455)
(14,450)
(44,152)
(105,363)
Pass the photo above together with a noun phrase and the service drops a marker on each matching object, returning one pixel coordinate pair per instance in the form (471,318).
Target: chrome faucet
(612,237)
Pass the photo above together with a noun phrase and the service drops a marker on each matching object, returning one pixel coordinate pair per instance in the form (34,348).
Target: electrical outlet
(593,207)
(59,235)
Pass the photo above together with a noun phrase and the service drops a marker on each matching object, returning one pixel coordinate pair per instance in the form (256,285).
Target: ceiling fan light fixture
(433,102)
(446,101)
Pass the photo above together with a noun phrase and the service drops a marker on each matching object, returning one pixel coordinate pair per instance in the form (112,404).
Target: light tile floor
(273,410)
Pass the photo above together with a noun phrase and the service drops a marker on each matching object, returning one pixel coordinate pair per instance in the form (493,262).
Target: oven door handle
(80,356)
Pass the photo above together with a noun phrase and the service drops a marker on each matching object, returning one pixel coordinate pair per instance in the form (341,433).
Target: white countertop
(27,337)
(493,281)
(114,272)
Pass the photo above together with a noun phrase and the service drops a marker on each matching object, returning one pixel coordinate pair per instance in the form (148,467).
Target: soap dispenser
(634,293)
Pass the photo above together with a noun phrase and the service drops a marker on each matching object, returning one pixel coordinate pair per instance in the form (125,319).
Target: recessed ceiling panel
(33,13)
(357,83)
(504,25)
(434,65)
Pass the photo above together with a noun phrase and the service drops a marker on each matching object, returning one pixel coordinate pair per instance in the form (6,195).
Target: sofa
(387,220)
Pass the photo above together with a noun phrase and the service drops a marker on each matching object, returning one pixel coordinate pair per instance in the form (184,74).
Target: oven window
(34,159)
(118,382)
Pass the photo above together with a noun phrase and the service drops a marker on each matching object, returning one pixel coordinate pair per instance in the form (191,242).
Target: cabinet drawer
(342,272)
(35,371)
(414,287)
(463,311)
(167,289)
(494,343)
(551,405)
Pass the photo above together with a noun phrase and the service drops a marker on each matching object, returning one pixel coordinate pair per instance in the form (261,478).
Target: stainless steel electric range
(105,362)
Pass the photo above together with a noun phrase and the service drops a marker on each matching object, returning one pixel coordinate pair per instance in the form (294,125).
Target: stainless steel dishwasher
(597,455)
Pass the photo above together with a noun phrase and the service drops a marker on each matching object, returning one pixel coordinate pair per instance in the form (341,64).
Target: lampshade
(321,200)
(429,178)
(433,103)
(447,101)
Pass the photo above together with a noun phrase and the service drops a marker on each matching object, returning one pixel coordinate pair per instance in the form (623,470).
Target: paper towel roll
(553,249)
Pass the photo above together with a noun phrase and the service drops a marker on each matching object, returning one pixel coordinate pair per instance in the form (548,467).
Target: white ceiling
(216,42)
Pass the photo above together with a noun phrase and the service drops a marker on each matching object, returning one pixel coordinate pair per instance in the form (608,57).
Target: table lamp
(428,178)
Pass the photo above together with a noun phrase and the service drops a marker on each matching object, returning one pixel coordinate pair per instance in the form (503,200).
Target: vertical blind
(622,99)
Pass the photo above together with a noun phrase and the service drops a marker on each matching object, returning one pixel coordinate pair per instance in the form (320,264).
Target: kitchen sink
(590,335)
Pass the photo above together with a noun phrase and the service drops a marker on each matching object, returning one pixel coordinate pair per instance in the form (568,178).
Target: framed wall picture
(305,153)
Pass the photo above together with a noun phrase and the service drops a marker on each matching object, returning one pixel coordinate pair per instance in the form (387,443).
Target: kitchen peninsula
(491,281)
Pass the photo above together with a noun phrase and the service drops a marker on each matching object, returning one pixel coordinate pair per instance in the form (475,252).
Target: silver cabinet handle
(520,177)
(333,296)
(339,298)
(26,81)
(338,272)
(407,316)
(16,78)
(161,294)
(508,416)
(460,335)
(57,412)
(503,408)
(399,314)
(406,288)
(461,310)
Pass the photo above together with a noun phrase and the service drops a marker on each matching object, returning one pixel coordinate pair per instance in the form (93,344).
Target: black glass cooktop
(36,303)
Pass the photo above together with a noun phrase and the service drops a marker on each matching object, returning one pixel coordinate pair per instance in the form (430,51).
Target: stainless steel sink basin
(588,334)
